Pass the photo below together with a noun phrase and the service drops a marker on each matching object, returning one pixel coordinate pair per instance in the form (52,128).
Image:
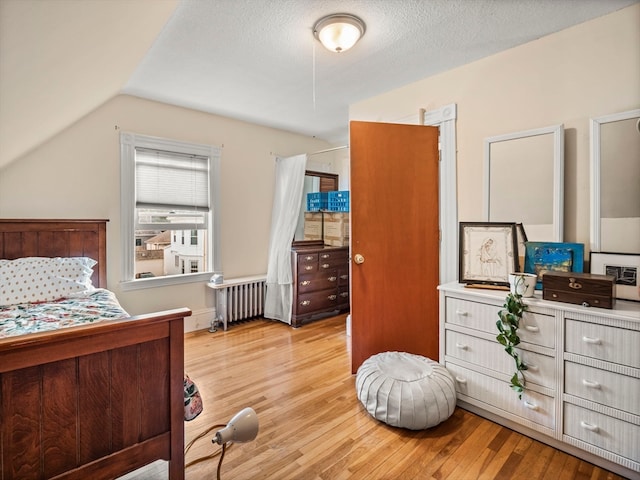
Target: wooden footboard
(95,401)
(89,402)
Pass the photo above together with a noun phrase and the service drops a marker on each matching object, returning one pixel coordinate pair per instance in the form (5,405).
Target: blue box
(317,201)
(338,201)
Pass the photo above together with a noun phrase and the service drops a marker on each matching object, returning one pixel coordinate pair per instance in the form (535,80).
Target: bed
(93,401)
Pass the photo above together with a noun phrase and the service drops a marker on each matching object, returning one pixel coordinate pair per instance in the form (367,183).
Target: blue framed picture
(543,257)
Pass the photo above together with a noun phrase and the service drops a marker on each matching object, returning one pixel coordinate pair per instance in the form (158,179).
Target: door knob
(358,258)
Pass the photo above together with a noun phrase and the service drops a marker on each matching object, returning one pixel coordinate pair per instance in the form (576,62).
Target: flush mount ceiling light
(339,32)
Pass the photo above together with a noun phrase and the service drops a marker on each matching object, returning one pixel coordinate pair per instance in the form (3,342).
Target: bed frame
(94,401)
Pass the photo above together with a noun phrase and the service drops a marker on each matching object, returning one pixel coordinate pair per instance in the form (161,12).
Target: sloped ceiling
(253,60)
(61,59)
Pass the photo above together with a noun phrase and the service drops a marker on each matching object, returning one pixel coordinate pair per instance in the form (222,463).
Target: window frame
(128,143)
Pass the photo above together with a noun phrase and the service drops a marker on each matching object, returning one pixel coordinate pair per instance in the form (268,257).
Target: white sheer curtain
(284,219)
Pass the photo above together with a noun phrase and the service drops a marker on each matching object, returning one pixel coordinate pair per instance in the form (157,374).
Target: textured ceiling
(253,60)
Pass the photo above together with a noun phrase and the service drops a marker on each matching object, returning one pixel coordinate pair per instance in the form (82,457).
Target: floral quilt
(77,309)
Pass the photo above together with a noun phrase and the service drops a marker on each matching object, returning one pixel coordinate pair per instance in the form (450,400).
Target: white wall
(77,175)
(586,71)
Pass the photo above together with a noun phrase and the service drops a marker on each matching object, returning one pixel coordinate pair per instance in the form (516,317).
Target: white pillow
(43,279)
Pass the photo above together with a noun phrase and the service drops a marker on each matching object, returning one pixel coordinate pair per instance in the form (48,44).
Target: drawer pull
(588,426)
(305,283)
(344,294)
(304,303)
(308,258)
(461,346)
(533,368)
(531,328)
(591,340)
(531,406)
(590,384)
(461,380)
(332,279)
(325,255)
(332,297)
(309,267)
(461,313)
(344,277)
(325,265)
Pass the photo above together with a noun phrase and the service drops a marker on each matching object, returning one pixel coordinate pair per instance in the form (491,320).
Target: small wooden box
(587,289)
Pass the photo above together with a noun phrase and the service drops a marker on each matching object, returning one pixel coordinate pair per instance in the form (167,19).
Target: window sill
(142,283)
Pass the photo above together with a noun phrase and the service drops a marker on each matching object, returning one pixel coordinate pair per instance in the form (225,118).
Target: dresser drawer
(316,301)
(616,436)
(491,355)
(603,342)
(334,256)
(534,406)
(607,388)
(306,258)
(308,268)
(317,281)
(331,262)
(535,328)
(343,296)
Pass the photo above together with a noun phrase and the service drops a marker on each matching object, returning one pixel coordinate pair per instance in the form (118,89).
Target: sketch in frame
(624,267)
(488,253)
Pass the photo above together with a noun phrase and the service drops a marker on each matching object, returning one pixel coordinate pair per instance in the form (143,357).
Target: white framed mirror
(615,182)
(524,181)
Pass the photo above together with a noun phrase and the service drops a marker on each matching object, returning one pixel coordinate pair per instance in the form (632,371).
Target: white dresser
(583,383)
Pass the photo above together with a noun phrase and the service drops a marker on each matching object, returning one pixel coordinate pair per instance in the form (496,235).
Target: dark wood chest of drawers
(320,282)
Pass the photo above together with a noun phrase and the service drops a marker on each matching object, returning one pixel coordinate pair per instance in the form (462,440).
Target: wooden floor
(313,427)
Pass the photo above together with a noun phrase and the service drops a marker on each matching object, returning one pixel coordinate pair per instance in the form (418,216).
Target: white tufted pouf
(406,390)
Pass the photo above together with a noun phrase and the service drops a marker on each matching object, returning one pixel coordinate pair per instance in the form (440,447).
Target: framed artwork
(624,267)
(543,257)
(488,253)
(521,236)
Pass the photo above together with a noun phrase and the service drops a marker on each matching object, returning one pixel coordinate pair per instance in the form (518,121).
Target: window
(168,190)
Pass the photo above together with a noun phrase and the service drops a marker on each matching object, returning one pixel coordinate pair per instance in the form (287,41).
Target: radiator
(239,299)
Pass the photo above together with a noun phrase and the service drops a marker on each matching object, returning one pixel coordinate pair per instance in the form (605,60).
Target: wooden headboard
(57,238)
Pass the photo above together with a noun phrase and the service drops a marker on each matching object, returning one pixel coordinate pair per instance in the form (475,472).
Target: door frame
(445,118)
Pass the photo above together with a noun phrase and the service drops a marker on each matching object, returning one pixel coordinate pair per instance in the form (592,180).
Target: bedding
(71,311)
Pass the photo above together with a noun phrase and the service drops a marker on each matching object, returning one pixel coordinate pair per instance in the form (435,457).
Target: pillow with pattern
(43,279)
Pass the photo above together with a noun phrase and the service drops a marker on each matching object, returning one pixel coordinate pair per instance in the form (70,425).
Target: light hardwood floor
(312,426)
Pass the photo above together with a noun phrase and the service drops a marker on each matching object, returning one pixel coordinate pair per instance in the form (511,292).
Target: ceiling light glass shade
(339,32)
(243,427)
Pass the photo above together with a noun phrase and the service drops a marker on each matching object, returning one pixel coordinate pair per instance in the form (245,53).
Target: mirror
(615,183)
(313,182)
(524,179)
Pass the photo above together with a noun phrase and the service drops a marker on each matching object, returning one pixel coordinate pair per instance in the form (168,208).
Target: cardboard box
(313,225)
(587,289)
(336,229)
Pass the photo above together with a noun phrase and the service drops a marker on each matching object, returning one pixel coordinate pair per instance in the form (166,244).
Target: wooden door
(395,228)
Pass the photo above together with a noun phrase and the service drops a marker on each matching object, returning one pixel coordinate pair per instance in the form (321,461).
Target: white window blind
(171,181)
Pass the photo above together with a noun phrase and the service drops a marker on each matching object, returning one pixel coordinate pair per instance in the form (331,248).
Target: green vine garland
(510,316)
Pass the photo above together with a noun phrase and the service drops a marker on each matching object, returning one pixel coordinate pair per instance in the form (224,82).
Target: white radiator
(240,298)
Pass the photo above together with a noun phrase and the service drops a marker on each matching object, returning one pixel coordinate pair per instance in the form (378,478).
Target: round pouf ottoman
(406,390)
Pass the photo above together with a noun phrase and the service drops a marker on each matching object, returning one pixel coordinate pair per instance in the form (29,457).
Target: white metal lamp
(339,32)
(243,427)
